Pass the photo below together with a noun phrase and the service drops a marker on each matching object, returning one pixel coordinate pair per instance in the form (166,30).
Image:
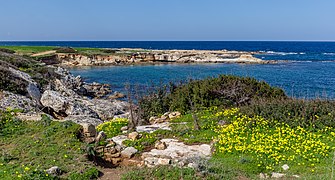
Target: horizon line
(167,40)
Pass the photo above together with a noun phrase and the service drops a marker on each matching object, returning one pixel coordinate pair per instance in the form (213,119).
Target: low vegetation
(30,50)
(225,91)
(30,148)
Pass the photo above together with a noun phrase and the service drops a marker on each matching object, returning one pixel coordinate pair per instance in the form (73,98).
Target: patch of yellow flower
(272,144)
(112,128)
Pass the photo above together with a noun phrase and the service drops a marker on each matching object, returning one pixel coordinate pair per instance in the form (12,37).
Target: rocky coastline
(36,88)
(126,56)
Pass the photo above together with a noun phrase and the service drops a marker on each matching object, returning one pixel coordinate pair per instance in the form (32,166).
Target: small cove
(298,79)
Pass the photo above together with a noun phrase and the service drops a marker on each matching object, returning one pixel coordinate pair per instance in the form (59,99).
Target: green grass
(29,148)
(238,164)
(161,173)
(28,50)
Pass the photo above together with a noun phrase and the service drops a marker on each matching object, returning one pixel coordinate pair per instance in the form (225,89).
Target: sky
(171,20)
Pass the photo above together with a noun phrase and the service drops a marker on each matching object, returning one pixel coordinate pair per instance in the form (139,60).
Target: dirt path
(43,53)
(112,173)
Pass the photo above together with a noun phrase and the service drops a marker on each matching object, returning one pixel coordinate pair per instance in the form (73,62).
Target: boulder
(133,136)
(119,139)
(116,95)
(101,135)
(54,171)
(174,115)
(89,130)
(107,109)
(54,100)
(129,152)
(160,145)
(124,128)
(164,161)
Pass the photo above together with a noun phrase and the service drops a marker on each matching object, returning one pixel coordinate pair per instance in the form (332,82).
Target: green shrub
(225,90)
(7,50)
(65,50)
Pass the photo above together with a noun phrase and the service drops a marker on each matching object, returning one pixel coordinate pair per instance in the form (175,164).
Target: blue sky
(167,20)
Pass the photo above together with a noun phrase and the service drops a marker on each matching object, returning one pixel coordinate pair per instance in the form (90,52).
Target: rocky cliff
(36,88)
(134,56)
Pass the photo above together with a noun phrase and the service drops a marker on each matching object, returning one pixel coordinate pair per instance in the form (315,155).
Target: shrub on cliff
(65,50)
(225,90)
(7,50)
(10,82)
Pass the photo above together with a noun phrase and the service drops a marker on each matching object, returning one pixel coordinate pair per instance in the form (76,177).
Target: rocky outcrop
(55,91)
(176,153)
(16,101)
(131,56)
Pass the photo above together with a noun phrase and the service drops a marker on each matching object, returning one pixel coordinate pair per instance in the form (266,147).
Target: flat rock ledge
(176,154)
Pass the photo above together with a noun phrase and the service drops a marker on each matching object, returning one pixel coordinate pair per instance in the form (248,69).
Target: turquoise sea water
(298,79)
(309,72)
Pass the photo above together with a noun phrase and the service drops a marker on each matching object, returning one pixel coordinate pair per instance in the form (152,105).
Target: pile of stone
(114,152)
(166,117)
(173,152)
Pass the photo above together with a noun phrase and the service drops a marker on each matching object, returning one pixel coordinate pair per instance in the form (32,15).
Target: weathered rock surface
(133,136)
(166,117)
(176,152)
(54,171)
(160,145)
(153,127)
(54,100)
(89,130)
(128,152)
(127,56)
(16,101)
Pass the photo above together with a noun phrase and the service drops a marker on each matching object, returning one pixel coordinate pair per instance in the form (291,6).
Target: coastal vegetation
(28,148)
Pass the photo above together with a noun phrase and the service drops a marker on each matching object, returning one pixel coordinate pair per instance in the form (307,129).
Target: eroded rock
(128,152)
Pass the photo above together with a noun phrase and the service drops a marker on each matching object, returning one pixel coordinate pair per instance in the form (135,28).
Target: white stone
(119,139)
(263,176)
(129,152)
(285,167)
(277,175)
(164,161)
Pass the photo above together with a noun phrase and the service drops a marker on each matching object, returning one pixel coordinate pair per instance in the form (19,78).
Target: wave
(308,61)
(284,53)
(330,54)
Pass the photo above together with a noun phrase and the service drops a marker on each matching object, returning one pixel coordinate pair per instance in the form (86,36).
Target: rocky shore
(37,89)
(142,56)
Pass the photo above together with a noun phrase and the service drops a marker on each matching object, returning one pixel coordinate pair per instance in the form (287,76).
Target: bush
(225,90)
(65,50)
(109,51)
(7,50)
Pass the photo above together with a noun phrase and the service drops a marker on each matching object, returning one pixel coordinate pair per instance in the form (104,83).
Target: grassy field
(246,147)
(30,50)
(30,148)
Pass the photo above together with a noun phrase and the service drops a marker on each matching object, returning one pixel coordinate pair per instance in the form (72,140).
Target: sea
(304,69)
